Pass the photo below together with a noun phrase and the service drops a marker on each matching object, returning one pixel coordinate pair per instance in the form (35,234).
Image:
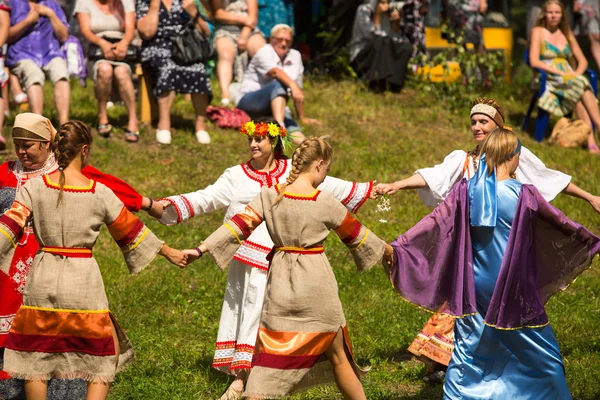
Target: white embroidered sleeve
(213,197)
(441,178)
(352,194)
(547,181)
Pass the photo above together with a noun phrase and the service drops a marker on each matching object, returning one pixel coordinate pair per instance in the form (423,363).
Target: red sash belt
(73,252)
(301,250)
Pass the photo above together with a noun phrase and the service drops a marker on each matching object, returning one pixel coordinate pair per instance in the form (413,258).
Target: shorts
(30,74)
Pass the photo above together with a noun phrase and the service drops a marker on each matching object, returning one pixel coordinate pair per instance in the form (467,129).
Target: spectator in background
(157,22)
(37,30)
(378,49)
(274,12)
(275,69)
(236,39)
(110,25)
(552,45)
(588,23)
(4,27)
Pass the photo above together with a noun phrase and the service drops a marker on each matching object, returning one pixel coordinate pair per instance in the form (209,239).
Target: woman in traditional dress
(303,339)
(247,274)
(64,327)
(551,47)
(435,341)
(32,135)
(490,262)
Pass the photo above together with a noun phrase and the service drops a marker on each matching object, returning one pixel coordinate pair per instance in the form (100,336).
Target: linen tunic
(247,274)
(64,327)
(302,312)
(436,339)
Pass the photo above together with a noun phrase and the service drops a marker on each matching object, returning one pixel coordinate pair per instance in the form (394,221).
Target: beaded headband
(488,111)
(264,129)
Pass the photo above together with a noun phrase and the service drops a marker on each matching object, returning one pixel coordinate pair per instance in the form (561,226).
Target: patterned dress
(166,75)
(302,312)
(247,273)
(64,328)
(562,92)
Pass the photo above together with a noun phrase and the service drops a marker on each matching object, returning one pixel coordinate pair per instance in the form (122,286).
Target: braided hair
(67,144)
(309,151)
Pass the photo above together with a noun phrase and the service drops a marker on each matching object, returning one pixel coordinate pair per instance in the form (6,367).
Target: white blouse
(237,186)
(459,164)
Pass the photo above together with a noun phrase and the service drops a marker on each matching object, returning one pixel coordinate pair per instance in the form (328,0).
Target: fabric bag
(190,46)
(226,118)
(95,53)
(567,133)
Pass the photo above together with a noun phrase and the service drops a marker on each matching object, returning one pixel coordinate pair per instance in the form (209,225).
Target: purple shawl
(433,261)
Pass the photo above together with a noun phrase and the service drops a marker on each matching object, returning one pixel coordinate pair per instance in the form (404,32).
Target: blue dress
(489,363)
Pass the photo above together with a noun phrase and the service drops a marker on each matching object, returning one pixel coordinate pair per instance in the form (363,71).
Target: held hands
(175,257)
(107,49)
(33,16)
(158,208)
(192,255)
(44,11)
(387,188)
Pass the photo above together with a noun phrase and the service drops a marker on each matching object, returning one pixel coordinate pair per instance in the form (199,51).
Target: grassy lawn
(172,316)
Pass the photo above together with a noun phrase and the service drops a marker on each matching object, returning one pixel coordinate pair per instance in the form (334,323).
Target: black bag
(95,53)
(190,46)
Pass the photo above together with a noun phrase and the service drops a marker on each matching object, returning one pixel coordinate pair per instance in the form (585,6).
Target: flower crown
(264,129)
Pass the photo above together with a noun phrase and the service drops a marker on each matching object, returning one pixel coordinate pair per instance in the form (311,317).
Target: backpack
(567,133)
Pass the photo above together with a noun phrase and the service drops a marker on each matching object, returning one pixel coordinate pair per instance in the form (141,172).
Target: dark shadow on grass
(214,375)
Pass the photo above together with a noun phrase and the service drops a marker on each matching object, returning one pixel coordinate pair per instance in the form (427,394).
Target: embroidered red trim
(367,195)
(189,206)
(268,179)
(250,263)
(257,246)
(351,194)
(73,189)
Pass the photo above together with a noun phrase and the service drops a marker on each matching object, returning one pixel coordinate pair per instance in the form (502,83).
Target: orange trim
(53,323)
(349,229)
(74,252)
(301,250)
(296,196)
(19,213)
(123,224)
(293,343)
(67,188)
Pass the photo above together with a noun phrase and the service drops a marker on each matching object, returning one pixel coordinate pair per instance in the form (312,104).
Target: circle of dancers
(484,261)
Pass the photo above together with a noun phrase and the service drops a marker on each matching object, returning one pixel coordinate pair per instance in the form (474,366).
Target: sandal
(105,130)
(132,137)
(231,394)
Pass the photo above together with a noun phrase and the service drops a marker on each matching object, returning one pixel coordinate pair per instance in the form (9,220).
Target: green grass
(172,316)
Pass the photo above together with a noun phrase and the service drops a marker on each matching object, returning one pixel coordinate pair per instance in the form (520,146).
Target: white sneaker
(225,102)
(163,136)
(203,137)
(21,98)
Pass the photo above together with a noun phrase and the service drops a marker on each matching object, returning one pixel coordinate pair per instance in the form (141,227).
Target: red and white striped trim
(358,195)
(253,254)
(268,179)
(183,207)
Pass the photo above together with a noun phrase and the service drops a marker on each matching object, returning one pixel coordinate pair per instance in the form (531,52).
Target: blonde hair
(499,147)
(563,25)
(282,27)
(311,150)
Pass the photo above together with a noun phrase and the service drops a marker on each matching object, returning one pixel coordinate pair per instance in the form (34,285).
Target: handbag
(95,53)
(226,118)
(190,46)
(568,133)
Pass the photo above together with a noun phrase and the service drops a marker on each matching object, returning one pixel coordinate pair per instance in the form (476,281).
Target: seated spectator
(37,29)
(274,12)
(588,24)
(552,45)
(236,38)
(275,69)
(378,49)
(109,26)
(157,22)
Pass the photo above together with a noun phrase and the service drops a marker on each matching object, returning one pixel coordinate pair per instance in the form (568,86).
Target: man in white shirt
(274,70)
